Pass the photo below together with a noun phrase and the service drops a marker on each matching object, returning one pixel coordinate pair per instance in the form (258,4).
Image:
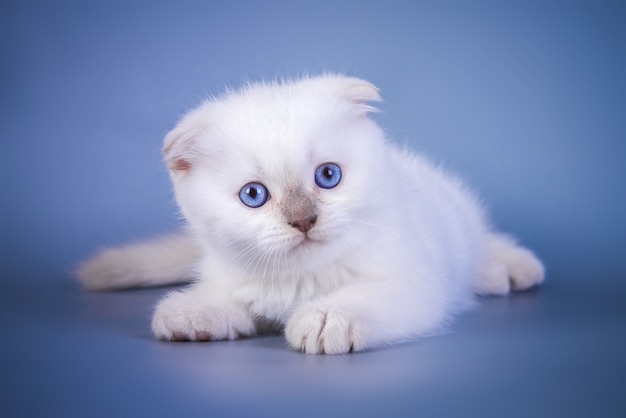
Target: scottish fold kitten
(301,214)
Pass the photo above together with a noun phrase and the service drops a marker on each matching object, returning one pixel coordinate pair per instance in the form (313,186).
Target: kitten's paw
(324,331)
(182,316)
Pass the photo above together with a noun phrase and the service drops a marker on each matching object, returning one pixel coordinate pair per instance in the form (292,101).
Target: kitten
(302,214)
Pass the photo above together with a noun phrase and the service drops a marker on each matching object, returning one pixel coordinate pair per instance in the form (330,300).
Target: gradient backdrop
(524,99)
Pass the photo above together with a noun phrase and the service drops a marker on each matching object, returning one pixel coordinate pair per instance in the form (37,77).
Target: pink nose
(304,225)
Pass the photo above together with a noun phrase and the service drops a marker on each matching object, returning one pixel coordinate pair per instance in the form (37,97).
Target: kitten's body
(390,252)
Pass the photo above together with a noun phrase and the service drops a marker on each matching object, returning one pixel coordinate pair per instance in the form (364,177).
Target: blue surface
(524,99)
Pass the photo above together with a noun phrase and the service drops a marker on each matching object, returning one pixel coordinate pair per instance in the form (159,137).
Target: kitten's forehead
(278,117)
(280,132)
(277,124)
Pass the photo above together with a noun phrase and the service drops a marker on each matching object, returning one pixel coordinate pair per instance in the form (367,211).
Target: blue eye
(254,195)
(328,175)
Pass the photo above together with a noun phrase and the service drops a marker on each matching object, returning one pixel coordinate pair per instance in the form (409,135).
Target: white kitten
(301,214)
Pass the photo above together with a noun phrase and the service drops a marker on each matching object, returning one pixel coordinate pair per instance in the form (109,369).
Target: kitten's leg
(507,266)
(196,314)
(361,316)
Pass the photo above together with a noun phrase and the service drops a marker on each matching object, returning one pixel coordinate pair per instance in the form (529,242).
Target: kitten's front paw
(182,316)
(324,331)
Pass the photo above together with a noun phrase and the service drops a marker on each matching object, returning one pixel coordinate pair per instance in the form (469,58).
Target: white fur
(398,247)
(166,260)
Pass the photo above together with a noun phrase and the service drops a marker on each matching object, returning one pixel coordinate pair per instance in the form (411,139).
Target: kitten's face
(281,177)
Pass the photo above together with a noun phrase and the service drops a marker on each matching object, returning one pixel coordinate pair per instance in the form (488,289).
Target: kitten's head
(282,174)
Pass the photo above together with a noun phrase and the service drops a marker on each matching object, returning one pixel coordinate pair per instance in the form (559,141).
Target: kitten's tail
(167,260)
(507,267)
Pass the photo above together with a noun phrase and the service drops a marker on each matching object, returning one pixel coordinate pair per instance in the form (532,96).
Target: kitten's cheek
(318,330)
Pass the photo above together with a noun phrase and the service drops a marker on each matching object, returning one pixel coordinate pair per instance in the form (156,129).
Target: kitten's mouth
(305,243)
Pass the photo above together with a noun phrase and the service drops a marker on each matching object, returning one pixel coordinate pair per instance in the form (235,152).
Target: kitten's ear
(179,150)
(359,92)
(180,147)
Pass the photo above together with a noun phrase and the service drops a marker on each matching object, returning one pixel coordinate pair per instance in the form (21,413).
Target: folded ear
(359,91)
(180,149)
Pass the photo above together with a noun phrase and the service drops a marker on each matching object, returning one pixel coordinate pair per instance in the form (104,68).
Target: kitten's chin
(308,248)
(306,244)
(311,254)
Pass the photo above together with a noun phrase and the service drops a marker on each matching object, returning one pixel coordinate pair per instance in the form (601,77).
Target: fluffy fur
(392,252)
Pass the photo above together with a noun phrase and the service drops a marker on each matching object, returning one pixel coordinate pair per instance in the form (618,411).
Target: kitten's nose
(305,224)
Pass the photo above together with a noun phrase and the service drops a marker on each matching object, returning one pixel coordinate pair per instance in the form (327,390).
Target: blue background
(524,99)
